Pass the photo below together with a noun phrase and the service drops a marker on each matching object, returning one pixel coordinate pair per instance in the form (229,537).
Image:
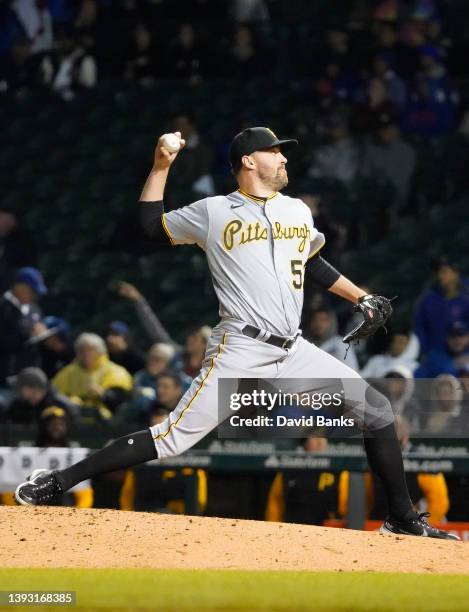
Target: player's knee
(378,410)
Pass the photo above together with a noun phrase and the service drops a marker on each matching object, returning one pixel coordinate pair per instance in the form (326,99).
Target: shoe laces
(47,489)
(422,518)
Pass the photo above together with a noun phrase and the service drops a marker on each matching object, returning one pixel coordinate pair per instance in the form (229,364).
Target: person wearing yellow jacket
(92,379)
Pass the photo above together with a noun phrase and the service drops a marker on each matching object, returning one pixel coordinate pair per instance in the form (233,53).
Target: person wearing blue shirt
(445,303)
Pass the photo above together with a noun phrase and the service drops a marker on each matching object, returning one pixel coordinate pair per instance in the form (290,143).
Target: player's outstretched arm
(344,288)
(153,189)
(326,276)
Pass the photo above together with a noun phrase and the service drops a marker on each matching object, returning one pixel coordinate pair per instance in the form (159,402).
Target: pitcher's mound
(67,537)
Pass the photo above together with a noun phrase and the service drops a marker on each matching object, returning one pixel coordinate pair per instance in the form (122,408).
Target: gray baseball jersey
(256,251)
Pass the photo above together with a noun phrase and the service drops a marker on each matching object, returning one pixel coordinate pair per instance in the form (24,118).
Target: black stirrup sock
(385,459)
(119,454)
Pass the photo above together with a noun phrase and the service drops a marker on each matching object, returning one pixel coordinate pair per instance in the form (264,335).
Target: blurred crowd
(373,78)
(107,377)
(399,57)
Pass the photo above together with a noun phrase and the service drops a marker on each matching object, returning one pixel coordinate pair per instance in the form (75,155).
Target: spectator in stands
(338,160)
(16,247)
(87,16)
(336,49)
(189,357)
(250,11)
(141,63)
(194,351)
(446,302)
(412,35)
(395,89)
(371,101)
(53,427)
(20,70)
(185,58)
(168,390)
(63,11)
(398,386)
(245,59)
(433,103)
(388,158)
(34,394)
(36,20)
(194,162)
(10,30)
(436,37)
(120,348)
(56,349)
(387,41)
(145,381)
(403,350)
(69,68)
(322,331)
(335,231)
(451,360)
(54,431)
(92,379)
(335,84)
(20,322)
(303,496)
(455,159)
(444,414)
(150,322)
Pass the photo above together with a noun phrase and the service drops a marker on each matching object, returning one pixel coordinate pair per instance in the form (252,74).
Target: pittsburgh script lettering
(237,233)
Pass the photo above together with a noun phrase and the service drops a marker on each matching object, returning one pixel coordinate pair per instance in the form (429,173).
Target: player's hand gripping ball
(167,149)
(171,142)
(376,310)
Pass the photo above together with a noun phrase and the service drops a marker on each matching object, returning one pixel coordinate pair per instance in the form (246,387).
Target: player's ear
(248,162)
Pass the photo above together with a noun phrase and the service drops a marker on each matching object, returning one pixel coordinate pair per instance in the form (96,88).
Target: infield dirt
(50,537)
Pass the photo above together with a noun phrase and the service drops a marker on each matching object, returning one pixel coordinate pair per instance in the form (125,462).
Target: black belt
(280,341)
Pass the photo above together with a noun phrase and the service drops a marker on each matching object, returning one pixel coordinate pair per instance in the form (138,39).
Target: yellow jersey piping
(165,227)
(255,198)
(313,254)
(222,343)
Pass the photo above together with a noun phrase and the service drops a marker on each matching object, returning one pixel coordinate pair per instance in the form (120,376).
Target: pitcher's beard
(277,182)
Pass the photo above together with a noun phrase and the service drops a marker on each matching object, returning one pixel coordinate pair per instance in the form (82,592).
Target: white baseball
(171,142)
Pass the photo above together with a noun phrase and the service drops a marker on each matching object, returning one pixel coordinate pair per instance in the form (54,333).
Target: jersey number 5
(297,272)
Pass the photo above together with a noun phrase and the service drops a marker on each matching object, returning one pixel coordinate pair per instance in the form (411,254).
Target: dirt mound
(66,537)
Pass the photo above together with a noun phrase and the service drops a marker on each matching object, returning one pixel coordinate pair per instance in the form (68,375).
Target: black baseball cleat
(416,526)
(40,488)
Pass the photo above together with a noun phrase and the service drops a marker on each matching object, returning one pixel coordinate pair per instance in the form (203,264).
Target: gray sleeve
(188,225)
(152,325)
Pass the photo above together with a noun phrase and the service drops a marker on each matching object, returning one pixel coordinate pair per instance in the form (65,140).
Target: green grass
(210,591)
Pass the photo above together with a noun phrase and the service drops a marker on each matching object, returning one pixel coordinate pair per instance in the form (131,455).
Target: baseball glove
(376,310)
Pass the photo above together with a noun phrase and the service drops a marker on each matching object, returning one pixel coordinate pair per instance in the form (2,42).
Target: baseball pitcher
(257,242)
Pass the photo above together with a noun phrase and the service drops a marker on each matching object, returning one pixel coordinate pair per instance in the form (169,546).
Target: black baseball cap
(255,139)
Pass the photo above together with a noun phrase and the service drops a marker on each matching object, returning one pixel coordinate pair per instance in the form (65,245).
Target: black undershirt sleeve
(150,215)
(322,272)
